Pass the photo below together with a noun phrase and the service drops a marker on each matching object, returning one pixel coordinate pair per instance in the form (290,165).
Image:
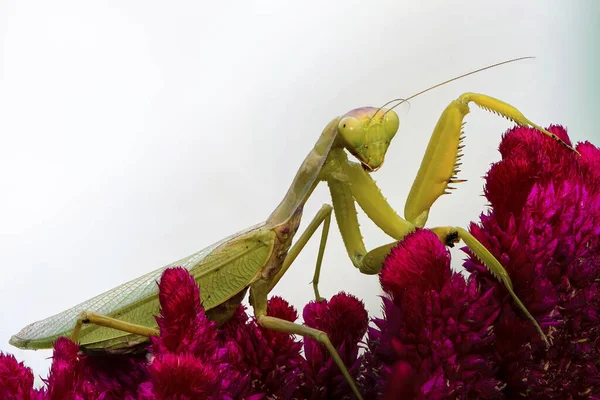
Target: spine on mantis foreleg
(439,165)
(505,110)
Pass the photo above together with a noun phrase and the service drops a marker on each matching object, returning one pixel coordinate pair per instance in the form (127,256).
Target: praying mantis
(255,259)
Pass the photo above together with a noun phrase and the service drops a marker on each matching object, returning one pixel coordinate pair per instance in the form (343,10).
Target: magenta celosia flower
(187,358)
(442,337)
(270,360)
(345,321)
(544,228)
(435,340)
(181,376)
(66,378)
(16,380)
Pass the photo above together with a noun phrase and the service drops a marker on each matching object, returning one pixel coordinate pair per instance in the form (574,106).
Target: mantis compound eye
(391,123)
(352,130)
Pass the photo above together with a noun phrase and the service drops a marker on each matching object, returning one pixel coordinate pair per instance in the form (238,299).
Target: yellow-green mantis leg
(349,182)
(110,322)
(317,274)
(323,216)
(440,163)
(258,300)
(455,234)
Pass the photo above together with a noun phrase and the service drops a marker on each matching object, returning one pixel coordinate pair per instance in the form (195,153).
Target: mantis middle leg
(323,216)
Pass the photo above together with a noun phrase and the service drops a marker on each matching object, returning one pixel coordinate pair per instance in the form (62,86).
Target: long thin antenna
(448,81)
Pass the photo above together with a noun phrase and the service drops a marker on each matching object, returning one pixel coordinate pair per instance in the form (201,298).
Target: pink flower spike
(65,378)
(544,227)
(16,380)
(345,321)
(419,260)
(435,340)
(182,376)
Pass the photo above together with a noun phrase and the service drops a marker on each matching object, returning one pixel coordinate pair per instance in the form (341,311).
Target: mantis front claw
(440,163)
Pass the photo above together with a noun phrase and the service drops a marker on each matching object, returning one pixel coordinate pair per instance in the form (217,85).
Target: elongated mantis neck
(306,178)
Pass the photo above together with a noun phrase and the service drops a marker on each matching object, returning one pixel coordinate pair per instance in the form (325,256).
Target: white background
(136,133)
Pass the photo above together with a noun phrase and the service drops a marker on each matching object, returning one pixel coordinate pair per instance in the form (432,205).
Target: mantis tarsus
(122,318)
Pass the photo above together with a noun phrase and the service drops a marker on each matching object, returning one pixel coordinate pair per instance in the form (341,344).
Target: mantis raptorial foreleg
(110,322)
(349,182)
(440,163)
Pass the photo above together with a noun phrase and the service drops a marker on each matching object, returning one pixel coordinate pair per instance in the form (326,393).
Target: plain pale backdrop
(134,133)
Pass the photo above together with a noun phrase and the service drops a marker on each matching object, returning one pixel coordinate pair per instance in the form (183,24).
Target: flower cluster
(442,335)
(544,228)
(446,337)
(194,359)
(435,340)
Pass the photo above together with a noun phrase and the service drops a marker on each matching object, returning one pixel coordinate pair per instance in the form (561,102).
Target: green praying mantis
(121,319)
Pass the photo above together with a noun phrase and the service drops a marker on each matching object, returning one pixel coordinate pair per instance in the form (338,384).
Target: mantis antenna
(445,82)
(391,101)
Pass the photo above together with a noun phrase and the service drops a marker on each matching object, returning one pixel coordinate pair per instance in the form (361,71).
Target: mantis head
(367,133)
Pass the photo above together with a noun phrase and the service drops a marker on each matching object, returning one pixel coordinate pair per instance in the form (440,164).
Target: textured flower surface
(345,321)
(16,380)
(544,228)
(435,340)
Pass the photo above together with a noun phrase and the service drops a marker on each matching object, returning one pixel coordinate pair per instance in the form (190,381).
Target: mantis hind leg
(109,322)
(322,244)
(450,235)
(441,160)
(258,299)
(323,216)
(282,325)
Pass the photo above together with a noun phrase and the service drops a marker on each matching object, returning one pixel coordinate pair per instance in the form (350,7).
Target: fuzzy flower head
(427,270)
(435,341)
(270,361)
(344,319)
(16,380)
(544,227)
(188,359)
(183,324)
